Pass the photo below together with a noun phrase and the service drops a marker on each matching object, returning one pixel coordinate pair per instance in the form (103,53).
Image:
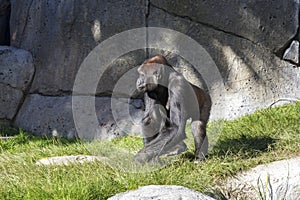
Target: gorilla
(169,101)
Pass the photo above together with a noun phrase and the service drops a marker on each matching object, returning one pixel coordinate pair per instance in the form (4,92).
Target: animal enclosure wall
(253,44)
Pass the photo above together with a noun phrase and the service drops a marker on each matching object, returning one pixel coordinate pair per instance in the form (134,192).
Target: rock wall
(254,44)
(59,35)
(247,41)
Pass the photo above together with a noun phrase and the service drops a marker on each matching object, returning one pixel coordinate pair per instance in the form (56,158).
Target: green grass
(265,136)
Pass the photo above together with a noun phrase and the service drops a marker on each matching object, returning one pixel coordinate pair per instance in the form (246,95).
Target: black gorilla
(170,100)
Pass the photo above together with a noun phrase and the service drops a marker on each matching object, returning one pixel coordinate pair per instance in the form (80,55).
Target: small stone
(161,192)
(292,53)
(66,160)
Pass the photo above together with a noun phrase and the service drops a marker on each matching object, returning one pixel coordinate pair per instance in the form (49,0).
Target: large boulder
(271,24)
(16,67)
(16,73)
(52,116)
(253,77)
(60,34)
(254,45)
(276,180)
(161,192)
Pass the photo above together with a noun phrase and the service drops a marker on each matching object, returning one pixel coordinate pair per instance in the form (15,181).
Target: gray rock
(60,34)
(47,115)
(6,138)
(292,53)
(276,180)
(66,160)
(268,23)
(53,116)
(4,22)
(253,76)
(16,71)
(10,100)
(16,67)
(117,69)
(161,192)
(242,37)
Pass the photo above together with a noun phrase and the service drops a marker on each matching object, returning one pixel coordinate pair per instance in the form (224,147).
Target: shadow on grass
(243,146)
(188,156)
(247,146)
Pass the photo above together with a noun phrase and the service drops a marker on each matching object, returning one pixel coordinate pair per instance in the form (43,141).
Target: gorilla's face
(149,77)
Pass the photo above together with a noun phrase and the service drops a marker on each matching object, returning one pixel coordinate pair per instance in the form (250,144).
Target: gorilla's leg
(162,143)
(153,122)
(199,131)
(200,139)
(168,138)
(149,129)
(177,149)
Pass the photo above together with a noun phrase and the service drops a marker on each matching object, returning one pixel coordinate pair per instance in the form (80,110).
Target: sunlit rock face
(253,44)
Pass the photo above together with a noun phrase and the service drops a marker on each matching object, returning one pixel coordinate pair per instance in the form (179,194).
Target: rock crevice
(202,23)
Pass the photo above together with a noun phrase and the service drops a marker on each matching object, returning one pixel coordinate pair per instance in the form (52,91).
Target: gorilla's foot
(145,156)
(200,159)
(141,158)
(177,149)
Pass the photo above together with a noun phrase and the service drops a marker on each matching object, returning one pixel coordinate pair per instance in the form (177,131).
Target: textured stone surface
(292,53)
(60,34)
(253,76)
(161,192)
(268,23)
(16,67)
(116,71)
(66,160)
(4,22)
(283,176)
(16,72)
(52,116)
(247,40)
(10,100)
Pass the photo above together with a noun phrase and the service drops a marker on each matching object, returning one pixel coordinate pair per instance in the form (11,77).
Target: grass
(262,137)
